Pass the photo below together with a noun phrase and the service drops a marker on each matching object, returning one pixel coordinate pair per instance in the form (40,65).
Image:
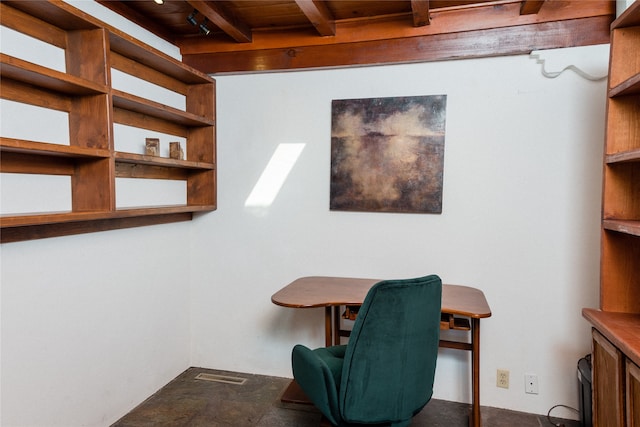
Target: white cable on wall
(554,74)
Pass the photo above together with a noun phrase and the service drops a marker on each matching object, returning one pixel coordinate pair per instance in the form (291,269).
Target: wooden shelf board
(628,18)
(52,22)
(68,18)
(624,156)
(127,46)
(619,328)
(150,108)
(630,86)
(41,231)
(47,78)
(30,219)
(622,226)
(161,161)
(47,149)
(56,13)
(155,210)
(39,218)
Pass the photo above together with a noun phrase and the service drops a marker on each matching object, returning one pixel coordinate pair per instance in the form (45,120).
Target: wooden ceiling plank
(237,30)
(470,44)
(319,15)
(420,11)
(531,7)
(393,28)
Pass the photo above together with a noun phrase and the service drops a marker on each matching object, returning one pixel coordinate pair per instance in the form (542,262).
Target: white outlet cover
(531,384)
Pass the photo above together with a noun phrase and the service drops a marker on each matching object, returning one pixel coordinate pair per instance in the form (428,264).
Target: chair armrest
(317,381)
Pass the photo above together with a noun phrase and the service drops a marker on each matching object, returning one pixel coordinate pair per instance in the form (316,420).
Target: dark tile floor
(190,402)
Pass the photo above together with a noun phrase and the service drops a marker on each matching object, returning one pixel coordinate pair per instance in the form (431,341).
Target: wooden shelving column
(616,324)
(92,49)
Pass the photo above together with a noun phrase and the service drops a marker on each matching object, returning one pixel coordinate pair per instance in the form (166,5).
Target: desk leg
(331,325)
(336,325)
(474,419)
(327,326)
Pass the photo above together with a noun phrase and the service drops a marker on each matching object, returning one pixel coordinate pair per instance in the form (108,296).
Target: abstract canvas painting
(387,154)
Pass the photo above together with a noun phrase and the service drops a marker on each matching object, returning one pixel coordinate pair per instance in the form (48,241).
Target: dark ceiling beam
(238,31)
(420,11)
(436,47)
(531,7)
(319,15)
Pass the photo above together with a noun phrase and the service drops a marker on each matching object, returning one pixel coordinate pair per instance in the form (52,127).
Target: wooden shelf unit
(616,324)
(92,49)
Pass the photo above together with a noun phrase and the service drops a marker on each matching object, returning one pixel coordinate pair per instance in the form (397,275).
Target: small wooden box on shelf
(616,324)
(83,91)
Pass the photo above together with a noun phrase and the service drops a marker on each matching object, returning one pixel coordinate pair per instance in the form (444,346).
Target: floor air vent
(221,378)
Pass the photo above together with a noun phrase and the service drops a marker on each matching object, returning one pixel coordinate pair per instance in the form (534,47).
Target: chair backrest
(390,361)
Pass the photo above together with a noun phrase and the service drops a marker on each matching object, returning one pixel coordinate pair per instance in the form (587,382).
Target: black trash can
(584,378)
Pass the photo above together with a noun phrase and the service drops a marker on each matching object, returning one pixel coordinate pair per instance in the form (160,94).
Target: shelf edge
(43,231)
(617,328)
(133,158)
(623,156)
(47,78)
(14,145)
(622,226)
(127,101)
(630,86)
(52,218)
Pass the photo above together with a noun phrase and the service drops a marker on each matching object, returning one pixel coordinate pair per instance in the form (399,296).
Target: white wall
(622,5)
(520,218)
(91,325)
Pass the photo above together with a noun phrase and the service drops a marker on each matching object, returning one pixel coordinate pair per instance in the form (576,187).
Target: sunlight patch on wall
(274,175)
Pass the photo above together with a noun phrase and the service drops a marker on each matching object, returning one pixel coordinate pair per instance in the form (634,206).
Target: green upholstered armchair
(385,374)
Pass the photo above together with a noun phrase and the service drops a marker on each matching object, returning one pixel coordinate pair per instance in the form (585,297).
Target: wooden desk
(459,305)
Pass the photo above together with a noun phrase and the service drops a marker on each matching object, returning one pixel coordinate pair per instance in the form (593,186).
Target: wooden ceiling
(271,35)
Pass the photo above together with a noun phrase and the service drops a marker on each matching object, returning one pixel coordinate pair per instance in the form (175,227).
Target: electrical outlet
(531,383)
(502,378)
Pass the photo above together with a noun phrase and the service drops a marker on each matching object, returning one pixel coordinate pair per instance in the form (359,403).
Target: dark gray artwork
(387,154)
